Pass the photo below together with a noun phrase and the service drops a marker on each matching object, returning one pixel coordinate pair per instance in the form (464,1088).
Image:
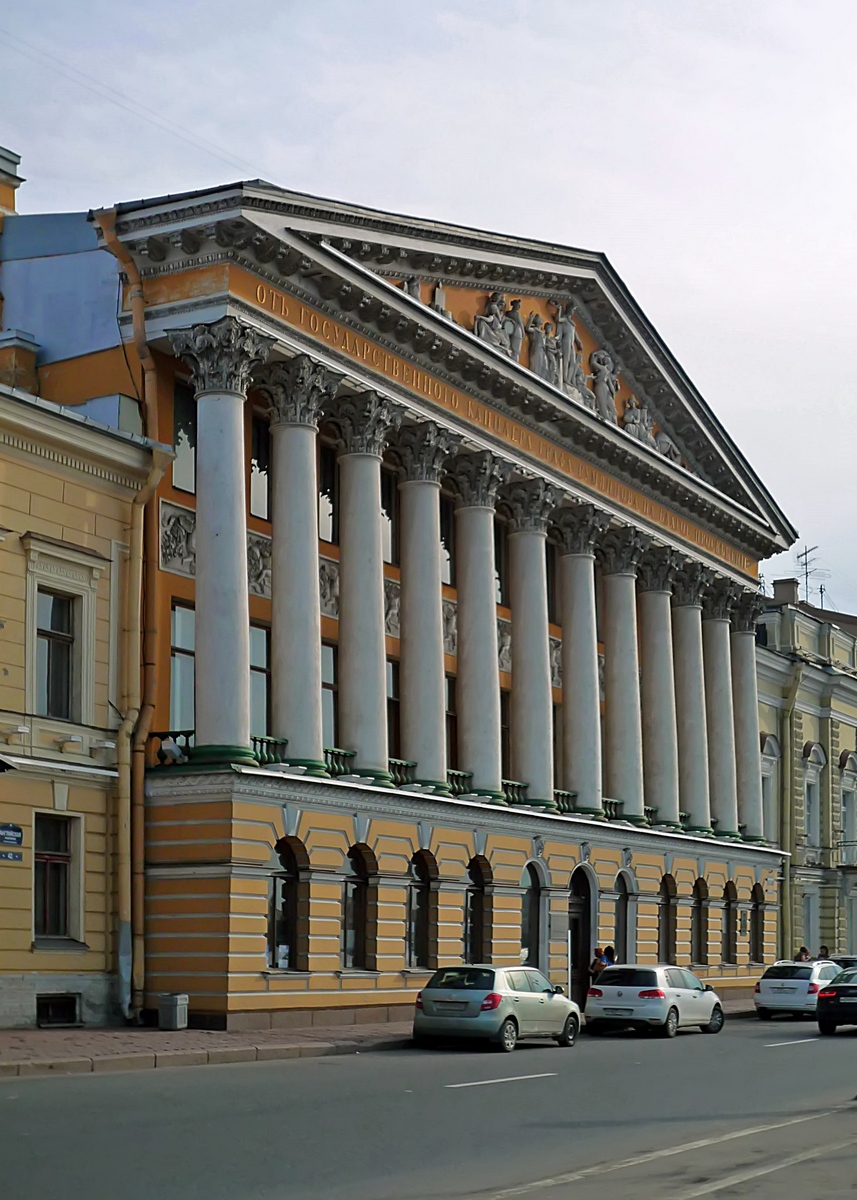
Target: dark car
(837,1002)
(845,961)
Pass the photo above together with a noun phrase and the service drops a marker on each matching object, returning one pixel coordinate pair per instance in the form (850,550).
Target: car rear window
(786,971)
(476,979)
(626,977)
(845,977)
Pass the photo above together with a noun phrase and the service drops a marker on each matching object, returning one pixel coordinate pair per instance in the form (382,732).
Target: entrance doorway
(580,930)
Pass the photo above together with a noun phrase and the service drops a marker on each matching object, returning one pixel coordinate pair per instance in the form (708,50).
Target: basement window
(62,1010)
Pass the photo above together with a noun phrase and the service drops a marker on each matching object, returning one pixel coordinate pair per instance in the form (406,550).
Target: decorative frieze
(556,662)
(222,355)
(450,627)
(328,587)
(259,564)
(177,541)
(504,645)
(392,603)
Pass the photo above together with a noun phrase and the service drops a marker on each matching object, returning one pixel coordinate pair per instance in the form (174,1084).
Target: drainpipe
(787,812)
(143,569)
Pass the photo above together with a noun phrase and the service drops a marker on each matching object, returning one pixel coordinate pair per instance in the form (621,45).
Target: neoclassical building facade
(449,617)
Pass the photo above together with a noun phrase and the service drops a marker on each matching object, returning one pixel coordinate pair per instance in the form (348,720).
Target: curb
(152,1060)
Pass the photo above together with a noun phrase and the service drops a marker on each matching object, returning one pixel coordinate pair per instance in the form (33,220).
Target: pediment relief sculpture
(605,384)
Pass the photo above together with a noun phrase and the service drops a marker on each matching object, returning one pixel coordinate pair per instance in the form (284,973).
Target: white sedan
(661,997)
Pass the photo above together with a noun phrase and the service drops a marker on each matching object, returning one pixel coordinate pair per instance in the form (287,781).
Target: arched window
(729,928)
(421,932)
(359,909)
(757,924)
(620,928)
(667,920)
(531,917)
(699,924)
(478,911)
(288,907)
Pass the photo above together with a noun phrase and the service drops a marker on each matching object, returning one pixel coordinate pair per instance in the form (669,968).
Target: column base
(757,838)
(668,825)
(635,819)
(222,756)
(488,794)
(541,805)
(700,830)
(597,814)
(318,770)
(729,835)
(379,778)
(440,788)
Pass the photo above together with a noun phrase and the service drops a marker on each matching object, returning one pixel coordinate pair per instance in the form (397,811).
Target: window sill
(289,971)
(360,972)
(58,943)
(418,971)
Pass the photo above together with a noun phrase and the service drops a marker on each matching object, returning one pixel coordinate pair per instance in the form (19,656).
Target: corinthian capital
(477,477)
(365,422)
(531,503)
(657,570)
(746,611)
(719,600)
(424,449)
(221,356)
(620,550)
(296,388)
(691,582)
(578,527)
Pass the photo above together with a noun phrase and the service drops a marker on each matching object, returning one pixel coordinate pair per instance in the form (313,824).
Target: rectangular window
(52,860)
(552,565)
(501,561)
(329,715)
(260,680)
(505,737)
(393,744)
(390,514)
(182,637)
(260,467)
(328,495)
(451,725)
(447,540)
(849,828)
(769,810)
(54,655)
(813,824)
(184,439)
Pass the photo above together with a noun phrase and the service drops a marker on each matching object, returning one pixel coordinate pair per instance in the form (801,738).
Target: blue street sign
(11,856)
(11,835)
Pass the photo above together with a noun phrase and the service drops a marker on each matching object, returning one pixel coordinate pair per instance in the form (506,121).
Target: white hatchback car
(792,987)
(659,997)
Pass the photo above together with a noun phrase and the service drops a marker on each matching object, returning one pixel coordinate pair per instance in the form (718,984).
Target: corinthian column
(221,357)
(296,389)
(423,449)
(689,586)
(746,702)
(657,685)
(365,421)
(620,550)
(477,478)
(719,710)
(581,691)
(531,504)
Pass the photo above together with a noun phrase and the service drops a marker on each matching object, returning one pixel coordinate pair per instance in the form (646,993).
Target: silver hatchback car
(502,1004)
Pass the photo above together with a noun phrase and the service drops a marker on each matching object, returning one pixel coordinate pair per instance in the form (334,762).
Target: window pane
(40,898)
(260,465)
(392,680)
(500,571)
(182,713)
(259,647)
(184,439)
(447,540)
(390,515)
(183,625)
(328,664)
(328,495)
(259,703)
(52,834)
(56,924)
(328,718)
(59,679)
(54,612)
(42,650)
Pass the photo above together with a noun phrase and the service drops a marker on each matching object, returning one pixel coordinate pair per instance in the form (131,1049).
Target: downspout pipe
(137,722)
(787,813)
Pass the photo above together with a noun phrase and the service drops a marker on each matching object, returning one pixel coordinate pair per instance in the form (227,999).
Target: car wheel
(569,1031)
(764,1014)
(670,1026)
(715,1024)
(826,1028)
(508,1037)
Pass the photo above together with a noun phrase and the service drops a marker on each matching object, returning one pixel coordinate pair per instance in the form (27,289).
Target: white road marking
(537,1185)
(755,1172)
(791,1042)
(507,1079)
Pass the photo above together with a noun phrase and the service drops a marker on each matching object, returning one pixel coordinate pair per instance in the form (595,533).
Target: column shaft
(623,737)
(422,679)
(747,746)
(478,683)
(532,696)
(295,613)
(362,650)
(690,716)
(581,703)
(721,725)
(660,739)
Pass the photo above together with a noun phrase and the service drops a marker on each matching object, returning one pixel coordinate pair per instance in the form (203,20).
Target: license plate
(784,991)
(848,999)
(618,1012)
(452,1005)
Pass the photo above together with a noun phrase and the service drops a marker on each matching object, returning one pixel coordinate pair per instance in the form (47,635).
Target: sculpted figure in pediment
(538,354)
(574,379)
(667,446)
(605,384)
(553,353)
(490,326)
(513,323)
(637,421)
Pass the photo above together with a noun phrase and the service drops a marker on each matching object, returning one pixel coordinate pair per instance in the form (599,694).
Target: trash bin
(172,1010)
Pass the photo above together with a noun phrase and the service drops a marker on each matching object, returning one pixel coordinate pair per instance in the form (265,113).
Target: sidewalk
(26,1052)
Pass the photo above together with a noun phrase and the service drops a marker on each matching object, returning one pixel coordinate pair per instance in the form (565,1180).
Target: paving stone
(56,1066)
(141,1061)
(181,1058)
(265,1053)
(316,1049)
(8,1069)
(230,1054)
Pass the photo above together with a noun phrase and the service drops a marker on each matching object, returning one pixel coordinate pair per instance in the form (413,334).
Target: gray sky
(706,146)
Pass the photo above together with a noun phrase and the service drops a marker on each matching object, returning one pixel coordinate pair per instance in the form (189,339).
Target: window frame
(184,389)
(394,708)
(264,671)
(390,514)
(184,652)
(54,639)
(447,539)
(262,472)
(327,454)
(333,688)
(75,927)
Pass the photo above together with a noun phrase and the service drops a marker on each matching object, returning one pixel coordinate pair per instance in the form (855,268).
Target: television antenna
(806,561)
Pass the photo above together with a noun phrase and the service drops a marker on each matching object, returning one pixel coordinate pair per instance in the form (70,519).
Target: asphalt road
(765,1106)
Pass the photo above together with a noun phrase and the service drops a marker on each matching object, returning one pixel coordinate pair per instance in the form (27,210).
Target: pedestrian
(610,956)
(802,955)
(823,952)
(599,962)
